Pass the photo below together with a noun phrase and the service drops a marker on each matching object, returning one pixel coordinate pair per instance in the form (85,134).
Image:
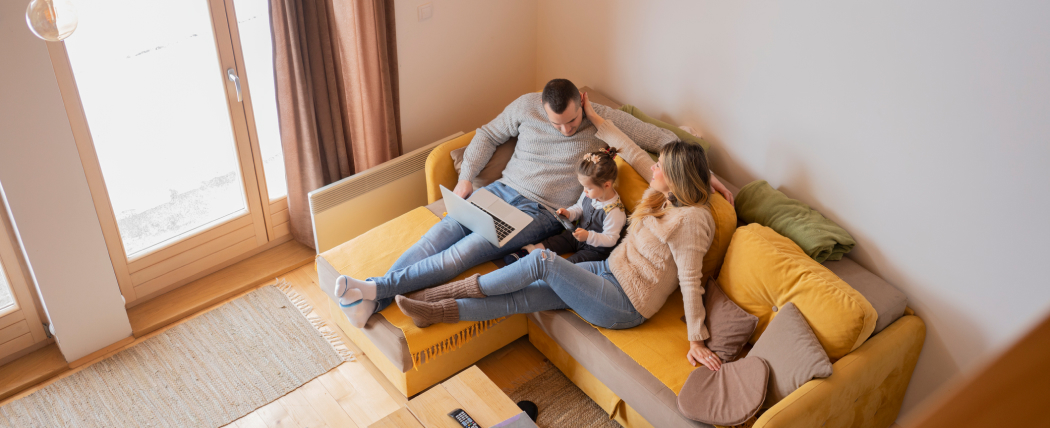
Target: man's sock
(355,290)
(359,313)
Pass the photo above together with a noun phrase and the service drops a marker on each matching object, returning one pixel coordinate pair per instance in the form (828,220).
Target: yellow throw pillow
(629,185)
(725,226)
(764,271)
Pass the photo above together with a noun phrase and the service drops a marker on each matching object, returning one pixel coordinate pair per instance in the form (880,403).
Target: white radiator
(349,207)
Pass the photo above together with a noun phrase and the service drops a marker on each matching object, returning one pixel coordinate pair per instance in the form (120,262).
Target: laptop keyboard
(502,228)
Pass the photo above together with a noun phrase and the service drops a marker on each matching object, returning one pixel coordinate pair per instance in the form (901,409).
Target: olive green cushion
(818,236)
(682,135)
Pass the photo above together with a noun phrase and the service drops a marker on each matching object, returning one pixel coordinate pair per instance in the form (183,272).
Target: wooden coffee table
(469,390)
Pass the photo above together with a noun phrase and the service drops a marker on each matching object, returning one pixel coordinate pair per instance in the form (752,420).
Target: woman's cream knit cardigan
(663,253)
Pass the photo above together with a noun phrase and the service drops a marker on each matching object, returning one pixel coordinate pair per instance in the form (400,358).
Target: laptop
(486,214)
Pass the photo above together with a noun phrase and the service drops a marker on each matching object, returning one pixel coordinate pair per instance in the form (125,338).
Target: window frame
(21,325)
(198,253)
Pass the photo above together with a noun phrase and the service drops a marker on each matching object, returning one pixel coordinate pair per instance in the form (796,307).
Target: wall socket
(426,11)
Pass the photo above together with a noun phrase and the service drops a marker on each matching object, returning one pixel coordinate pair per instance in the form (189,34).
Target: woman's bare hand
(699,354)
(588,110)
(717,186)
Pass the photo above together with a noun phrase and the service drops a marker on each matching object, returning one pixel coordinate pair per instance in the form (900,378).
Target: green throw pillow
(682,135)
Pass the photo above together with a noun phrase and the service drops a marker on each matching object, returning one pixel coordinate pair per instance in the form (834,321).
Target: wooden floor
(355,393)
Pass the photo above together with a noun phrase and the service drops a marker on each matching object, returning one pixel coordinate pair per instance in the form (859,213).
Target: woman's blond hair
(688,177)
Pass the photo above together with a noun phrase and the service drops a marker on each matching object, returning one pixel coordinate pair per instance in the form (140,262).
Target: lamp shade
(51,20)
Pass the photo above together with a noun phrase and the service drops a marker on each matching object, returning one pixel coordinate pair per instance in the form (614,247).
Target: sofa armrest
(439,167)
(866,388)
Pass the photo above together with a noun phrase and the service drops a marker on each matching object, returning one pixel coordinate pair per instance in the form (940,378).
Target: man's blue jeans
(448,249)
(543,281)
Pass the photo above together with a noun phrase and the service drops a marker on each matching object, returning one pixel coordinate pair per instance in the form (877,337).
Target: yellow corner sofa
(866,389)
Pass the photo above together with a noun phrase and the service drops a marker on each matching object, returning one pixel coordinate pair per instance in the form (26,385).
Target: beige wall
(48,196)
(921,127)
(460,68)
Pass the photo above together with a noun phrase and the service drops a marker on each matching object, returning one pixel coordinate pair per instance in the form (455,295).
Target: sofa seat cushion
(764,270)
(373,252)
(631,382)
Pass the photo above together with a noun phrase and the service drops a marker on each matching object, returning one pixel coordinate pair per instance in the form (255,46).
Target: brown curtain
(335,63)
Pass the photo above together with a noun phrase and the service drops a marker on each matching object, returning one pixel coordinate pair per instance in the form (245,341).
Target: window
(182,157)
(20,324)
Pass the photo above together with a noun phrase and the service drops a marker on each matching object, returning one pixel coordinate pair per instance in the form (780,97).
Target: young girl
(599,211)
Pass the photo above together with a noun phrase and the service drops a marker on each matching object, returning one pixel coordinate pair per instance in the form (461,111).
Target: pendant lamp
(51,20)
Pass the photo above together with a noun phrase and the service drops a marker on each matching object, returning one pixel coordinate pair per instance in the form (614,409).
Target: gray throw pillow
(887,300)
(494,169)
(730,326)
(793,353)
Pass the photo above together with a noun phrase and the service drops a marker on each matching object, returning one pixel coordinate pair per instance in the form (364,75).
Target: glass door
(21,328)
(253,41)
(171,140)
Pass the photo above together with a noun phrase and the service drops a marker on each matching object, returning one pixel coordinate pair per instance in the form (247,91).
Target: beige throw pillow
(729,396)
(793,353)
(494,169)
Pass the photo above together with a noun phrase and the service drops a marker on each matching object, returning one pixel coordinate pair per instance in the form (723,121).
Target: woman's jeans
(448,249)
(543,281)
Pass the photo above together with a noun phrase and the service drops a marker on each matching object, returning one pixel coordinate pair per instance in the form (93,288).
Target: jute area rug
(560,403)
(205,372)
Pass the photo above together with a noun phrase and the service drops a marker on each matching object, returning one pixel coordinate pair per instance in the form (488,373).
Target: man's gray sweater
(543,167)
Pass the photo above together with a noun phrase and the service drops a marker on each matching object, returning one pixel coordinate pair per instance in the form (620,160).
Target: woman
(670,231)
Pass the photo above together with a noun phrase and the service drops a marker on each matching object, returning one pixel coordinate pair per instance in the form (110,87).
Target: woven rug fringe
(452,343)
(322,327)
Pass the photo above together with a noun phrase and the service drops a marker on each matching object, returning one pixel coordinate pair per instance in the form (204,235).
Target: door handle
(232,75)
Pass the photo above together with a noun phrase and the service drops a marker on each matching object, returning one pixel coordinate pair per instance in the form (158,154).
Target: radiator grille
(351,187)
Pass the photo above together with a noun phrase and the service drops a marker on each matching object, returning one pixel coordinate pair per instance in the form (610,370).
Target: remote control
(463,418)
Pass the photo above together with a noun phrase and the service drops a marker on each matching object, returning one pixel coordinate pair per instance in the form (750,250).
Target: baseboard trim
(30,370)
(104,352)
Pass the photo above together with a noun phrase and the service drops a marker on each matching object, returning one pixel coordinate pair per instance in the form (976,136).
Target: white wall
(48,196)
(460,68)
(921,127)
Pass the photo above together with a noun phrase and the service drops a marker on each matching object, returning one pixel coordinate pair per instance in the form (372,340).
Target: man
(553,135)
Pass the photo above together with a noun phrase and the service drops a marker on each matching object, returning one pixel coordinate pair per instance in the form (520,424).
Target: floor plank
(252,420)
(274,415)
(514,364)
(400,419)
(367,393)
(326,406)
(301,411)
